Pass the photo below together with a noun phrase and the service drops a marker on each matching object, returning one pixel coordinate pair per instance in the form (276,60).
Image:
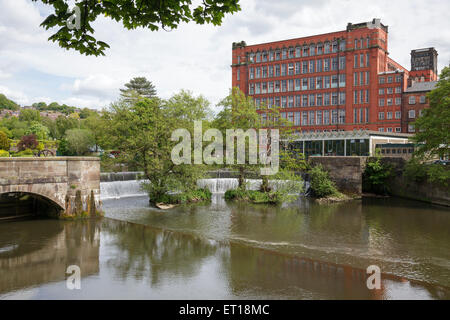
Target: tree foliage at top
(6,103)
(138,86)
(154,15)
(433,126)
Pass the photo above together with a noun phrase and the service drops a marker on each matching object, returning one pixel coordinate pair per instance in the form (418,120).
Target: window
(283,70)
(390,130)
(367,42)
(355,97)
(291,85)
(264,72)
(341,63)
(361,60)
(270,71)
(277,55)
(319,83)
(355,115)
(412,100)
(277,86)
(334,98)
(298,52)
(381,80)
(297,68)
(381,91)
(312,100)
(398,89)
(319,48)
(367,96)
(312,50)
(238,74)
(283,102)
(258,57)
(367,60)
(334,46)
(305,51)
(398,78)
(367,77)
(277,70)
(381,115)
(342,45)
(355,45)
(342,80)
(290,117)
(367,115)
(258,73)
(411,114)
(297,85)
(264,87)
(326,99)
(341,116)
(342,98)
(311,66)
(291,101)
(318,117)
(283,86)
(398,101)
(361,96)
(257,88)
(399,130)
(327,83)
(355,78)
(411,128)
(326,117)
(312,83)
(304,100)
(389,79)
(270,104)
(305,84)
(291,53)
(291,69)
(264,56)
(271,55)
(319,65)
(334,64)
(390,90)
(361,78)
(297,118)
(381,130)
(389,115)
(334,81)
(398,114)
(326,65)
(422,99)
(381,102)
(305,67)
(311,118)
(355,61)
(284,53)
(326,47)
(334,116)
(319,100)
(251,89)
(304,118)
(389,101)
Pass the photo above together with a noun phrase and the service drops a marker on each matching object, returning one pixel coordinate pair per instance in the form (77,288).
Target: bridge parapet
(55,178)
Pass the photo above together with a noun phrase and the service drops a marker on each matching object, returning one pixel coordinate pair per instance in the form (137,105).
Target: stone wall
(55,178)
(346,172)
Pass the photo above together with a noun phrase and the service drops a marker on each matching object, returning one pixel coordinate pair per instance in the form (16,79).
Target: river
(232,251)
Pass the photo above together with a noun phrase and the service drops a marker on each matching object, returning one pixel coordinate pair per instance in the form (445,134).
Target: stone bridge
(58,180)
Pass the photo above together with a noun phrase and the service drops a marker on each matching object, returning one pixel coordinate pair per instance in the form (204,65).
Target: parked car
(443,162)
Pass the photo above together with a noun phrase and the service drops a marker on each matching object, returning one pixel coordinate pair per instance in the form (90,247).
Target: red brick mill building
(339,81)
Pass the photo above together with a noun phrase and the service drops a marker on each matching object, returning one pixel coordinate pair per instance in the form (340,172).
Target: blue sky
(195,58)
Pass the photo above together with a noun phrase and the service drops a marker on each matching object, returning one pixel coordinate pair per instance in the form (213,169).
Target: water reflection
(126,260)
(36,252)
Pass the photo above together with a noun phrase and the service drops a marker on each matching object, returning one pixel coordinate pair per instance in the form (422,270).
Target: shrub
(321,184)
(420,172)
(375,176)
(415,171)
(27,142)
(255,196)
(4,141)
(24,153)
(4,153)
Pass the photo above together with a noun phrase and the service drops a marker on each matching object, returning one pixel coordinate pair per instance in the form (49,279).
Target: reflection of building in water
(37,252)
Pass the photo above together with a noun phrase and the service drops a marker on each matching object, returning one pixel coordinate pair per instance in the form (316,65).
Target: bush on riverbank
(321,185)
(417,171)
(190,196)
(254,196)
(375,176)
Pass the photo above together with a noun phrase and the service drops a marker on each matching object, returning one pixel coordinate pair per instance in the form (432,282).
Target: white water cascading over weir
(127,184)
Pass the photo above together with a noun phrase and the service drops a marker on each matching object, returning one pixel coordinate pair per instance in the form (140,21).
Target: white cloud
(195,57)
(15,95)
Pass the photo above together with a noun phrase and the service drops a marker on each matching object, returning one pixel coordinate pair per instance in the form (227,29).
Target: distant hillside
(5,103)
